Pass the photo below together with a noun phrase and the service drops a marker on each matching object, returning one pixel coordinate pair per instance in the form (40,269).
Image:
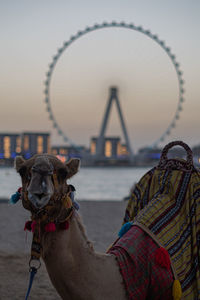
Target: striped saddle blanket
(143,277)
(166,201)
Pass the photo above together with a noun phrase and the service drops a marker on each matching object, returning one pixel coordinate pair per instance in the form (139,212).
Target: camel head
(43,178)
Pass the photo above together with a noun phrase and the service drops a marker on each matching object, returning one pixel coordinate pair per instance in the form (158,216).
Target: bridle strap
(55,180)
(48,214)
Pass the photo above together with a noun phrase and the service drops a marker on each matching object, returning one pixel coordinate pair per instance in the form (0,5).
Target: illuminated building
(108,148)
(112,148)
(35,143)
(93,146)
(66,152)
(10,145)
(59,150)
(123,151)
(26,144)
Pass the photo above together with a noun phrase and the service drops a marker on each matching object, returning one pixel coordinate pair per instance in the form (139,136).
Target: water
(90,183)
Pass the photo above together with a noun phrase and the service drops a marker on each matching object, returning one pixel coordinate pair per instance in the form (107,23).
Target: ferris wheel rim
(115,24)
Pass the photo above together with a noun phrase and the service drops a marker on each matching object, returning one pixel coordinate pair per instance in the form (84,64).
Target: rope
(33,271)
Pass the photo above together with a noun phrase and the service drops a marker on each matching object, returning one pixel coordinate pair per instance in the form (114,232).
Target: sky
(31,33)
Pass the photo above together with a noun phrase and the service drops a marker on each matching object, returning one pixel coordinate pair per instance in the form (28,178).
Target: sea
(94,184)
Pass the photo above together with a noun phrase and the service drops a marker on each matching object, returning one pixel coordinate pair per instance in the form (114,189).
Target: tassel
(33,224)
(64,225)
(162,258)
(15,197)
(75,205)
(50,227)
(28,226)
(19,190)
(72,195)
(176,290)
(68,202)
(125,228)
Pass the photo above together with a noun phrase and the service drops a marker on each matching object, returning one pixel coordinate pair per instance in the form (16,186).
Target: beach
(102,220)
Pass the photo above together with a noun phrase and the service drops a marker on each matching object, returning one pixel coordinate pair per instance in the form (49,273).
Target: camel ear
(72,167)
(19,161)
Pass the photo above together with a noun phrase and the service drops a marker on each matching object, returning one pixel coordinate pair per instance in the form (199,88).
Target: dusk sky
(32,31)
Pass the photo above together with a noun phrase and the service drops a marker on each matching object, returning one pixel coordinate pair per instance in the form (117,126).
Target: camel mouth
(39,200)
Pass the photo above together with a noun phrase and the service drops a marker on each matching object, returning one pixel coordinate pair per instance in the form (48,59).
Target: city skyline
(148,88)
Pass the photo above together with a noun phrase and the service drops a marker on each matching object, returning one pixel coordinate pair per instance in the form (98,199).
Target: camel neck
(75,269)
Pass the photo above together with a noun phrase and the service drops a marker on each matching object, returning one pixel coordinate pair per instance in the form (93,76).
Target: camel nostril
(40,195)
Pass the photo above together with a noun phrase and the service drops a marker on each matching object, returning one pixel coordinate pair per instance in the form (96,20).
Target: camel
(75,269)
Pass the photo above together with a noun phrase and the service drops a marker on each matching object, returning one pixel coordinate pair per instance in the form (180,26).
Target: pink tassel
(50,227)
(19,190)
(33,226)
(28,226)
(162,258)
(64,225)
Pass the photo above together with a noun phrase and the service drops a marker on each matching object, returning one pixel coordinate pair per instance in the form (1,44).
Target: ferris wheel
(124,25)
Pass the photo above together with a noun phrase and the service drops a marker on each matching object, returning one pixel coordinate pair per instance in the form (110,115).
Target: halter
(55,215)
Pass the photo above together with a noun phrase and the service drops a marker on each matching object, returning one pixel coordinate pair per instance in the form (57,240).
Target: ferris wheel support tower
(112,98)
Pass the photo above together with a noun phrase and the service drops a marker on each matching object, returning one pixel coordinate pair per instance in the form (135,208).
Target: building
(10,146)
(35,143)
(26,144)
(148,156)
(111,148)
(66,152)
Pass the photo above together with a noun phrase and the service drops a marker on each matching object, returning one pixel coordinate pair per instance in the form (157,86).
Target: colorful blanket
(143,277)
(167,201)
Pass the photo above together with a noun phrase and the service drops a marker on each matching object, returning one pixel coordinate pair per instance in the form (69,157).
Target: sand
(102,220)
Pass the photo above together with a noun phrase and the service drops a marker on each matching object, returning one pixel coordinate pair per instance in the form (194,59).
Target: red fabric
(64,225)
(50,227)
(142,276)
(33,224)
(19,190)
(30,226)
(162,258)
(27,226)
